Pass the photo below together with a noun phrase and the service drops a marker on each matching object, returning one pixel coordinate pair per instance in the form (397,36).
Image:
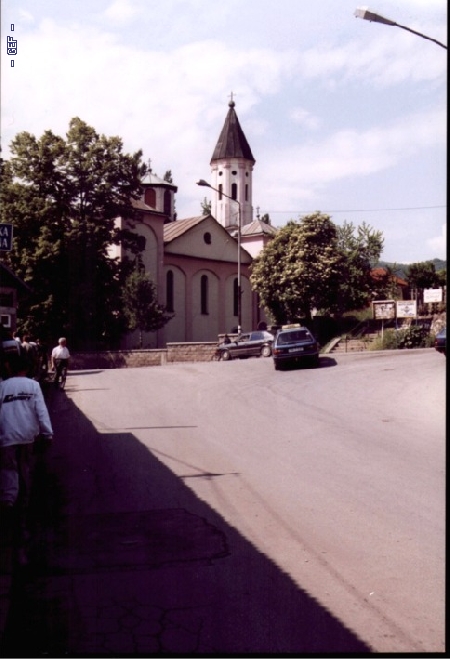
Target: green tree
(299,269)
(206,206)
(361,248)
(63,197)
(140,306)
(423,275)
(441,277)
(314,263)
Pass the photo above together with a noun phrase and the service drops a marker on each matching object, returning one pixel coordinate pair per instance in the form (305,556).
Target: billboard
(432,294)
(406,309)
(383,309)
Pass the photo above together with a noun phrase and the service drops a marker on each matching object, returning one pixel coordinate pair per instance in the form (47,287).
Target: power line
(362,210)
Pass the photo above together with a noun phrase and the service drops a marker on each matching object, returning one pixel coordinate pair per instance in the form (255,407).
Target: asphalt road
(336,474)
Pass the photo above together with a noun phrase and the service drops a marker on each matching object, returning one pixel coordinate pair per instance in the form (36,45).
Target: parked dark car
(440,341)
(253,344)
(294,344)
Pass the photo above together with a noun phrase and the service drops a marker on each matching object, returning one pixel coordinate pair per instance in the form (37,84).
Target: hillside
(401,269)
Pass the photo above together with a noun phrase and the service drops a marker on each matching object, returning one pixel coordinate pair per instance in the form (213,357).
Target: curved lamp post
(363,12)
(207,185)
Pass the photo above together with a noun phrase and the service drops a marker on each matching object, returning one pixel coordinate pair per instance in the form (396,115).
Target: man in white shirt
(23,417)
(60,358)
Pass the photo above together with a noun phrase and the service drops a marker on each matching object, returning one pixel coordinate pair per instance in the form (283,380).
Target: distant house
(399,287)
(11,288)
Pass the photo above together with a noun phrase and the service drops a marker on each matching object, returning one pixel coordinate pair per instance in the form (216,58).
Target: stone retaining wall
(175,352)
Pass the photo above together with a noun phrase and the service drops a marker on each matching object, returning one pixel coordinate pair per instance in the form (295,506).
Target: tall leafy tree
(314,263)
(441,277)
(141,309)
(63,197)
(206,206)
(361,247)
(299,269)
(423,275)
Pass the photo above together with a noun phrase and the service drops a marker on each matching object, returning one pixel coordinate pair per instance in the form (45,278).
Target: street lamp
(207,185)
(363,12)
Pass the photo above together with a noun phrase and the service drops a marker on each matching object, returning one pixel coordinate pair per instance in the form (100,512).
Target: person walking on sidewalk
(23,418)
(60,358)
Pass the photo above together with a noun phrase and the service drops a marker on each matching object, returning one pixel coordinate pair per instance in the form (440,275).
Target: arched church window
(204,295)
(169,290)
(150,197)
(207,237)
(220,191)
(234,190)
(246,192)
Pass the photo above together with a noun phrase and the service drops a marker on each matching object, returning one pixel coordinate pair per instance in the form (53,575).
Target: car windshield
(294,336)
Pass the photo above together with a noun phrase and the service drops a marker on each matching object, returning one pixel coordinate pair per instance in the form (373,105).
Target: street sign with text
(6,237)
(432,295)
(406,309)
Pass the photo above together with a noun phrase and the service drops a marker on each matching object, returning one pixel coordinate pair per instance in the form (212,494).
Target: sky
(343,116)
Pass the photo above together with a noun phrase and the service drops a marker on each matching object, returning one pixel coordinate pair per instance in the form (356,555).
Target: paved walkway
(167,577)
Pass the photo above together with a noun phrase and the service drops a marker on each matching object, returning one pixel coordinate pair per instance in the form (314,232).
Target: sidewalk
(144,567)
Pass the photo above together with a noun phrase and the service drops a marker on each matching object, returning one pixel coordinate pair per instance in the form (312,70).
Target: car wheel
(266,351)
(225,357)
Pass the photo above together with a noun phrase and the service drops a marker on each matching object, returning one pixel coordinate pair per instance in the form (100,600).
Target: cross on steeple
(231,103)
(149,165)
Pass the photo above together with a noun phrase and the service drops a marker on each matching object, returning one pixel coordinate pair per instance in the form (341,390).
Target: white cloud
(121,11)
(304,118)
(305,169)
(26,16)
(378,59)
(439,244)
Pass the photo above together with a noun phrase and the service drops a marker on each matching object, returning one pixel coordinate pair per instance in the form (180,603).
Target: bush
(415,336)
(389,341)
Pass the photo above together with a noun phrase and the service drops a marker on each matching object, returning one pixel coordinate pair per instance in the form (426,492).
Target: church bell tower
(231,174)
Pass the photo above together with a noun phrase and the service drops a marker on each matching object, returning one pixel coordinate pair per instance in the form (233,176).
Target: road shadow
(125,560)
(324,362)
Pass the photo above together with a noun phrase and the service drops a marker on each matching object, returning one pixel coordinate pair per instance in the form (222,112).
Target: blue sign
(6,236)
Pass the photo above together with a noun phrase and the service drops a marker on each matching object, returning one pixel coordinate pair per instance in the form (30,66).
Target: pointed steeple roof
(232,142)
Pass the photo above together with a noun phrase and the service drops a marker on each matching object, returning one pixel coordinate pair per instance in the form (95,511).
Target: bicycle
(62,382)
(60,377)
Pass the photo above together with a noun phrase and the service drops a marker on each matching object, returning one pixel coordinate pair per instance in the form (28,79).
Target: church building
(194,261)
